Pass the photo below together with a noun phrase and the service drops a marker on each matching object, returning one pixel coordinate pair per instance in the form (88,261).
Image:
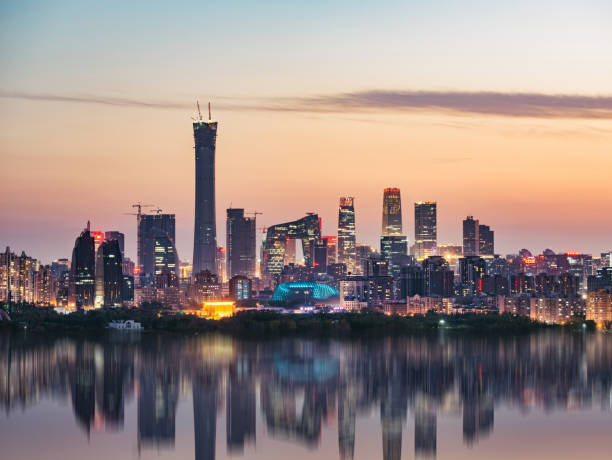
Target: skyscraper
(82,271)
(165,257)
(471,237)
(150,228)
(394,249)
(486,242)
(332,244)
(205,231)
(392,212)
(241,234)
(347,252)
(472,270)
(425,229)
(307,229)
(119,237)
(438,277)
(109,274)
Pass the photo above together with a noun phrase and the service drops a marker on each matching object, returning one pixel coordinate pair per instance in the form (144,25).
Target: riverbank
(264,323)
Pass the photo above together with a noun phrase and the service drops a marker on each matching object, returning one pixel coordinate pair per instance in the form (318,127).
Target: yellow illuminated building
(214,309)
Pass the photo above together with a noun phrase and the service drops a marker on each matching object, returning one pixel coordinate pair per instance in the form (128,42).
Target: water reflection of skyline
(297,385)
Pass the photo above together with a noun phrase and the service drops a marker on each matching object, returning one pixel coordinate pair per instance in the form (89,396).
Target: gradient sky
(501,110)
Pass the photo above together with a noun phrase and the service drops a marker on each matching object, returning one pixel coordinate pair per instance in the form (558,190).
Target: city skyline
(481,127)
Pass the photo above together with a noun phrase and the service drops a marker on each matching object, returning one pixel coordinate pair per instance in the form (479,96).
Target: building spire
(209,117)
(88,225)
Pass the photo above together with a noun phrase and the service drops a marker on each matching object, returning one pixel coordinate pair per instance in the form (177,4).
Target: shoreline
(266,323)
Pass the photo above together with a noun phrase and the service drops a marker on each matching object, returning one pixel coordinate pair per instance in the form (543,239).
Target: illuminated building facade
(206,286)
(241,239)
(165,257)
(580,265)
(152,227)
(599,305)
(451,253)
(44,286)
(307,229)
(17,277)
(425,229)
(486,241)
(290,251)
(240,288)
(82,272)
(472,270)
(364,252)
(346,234)
(217,310)
(555,310)
(109,275)
(304,291)
(471,237)
(205,228)
(392,212)
(394,249)
(222,264)
(332,244)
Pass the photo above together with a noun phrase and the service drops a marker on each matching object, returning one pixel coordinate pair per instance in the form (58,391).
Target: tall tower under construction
(205,231)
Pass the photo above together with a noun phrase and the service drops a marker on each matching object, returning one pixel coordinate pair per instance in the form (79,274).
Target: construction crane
(255,214)
(139,206)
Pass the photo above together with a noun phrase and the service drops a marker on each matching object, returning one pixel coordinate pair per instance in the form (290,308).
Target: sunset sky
(501,110)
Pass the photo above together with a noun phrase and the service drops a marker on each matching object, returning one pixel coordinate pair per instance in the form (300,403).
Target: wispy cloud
(94,99)
(475,103)
(536,105)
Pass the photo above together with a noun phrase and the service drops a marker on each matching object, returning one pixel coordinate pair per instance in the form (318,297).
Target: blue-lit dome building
(303,291)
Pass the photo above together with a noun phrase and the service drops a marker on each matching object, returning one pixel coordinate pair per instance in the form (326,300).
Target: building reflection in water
(305,386)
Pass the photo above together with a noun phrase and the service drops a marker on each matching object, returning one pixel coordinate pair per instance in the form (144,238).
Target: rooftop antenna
(199,112)
(209,117)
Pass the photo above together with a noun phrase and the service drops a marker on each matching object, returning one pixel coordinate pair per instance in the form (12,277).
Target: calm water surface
(124,396)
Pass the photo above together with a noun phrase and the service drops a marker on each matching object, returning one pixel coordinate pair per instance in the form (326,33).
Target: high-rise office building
(320,256)
(109,274)
(119,237)
(364,252)
(347,252)
(392,212)
(472,269)
(205,231)
(165,257)
(332,245)
(438,277)
(395,250)
(222,264)
(471,237)
(425,229)
(307,229)
(82,271)
(150,228)
(486,242)
(241,241)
